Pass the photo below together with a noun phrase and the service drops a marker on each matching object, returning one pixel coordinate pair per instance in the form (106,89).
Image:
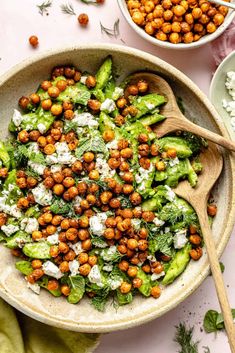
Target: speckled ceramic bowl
(181,46)
(218,91)
(22,80)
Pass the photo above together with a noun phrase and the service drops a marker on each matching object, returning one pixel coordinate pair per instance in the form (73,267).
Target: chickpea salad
(86,197)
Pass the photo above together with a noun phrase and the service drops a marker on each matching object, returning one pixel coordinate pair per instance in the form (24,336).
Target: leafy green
(100,300)
(77,285)
(145,287)
(162,243)
(124,299)
(194,142)
(78,93)
(23,153)
(181,146)
(43,282)
(111,254)
(4,156)
(37,250)
(93,143)
(125,201)
(178,211)
(104,74)
(59,206)
(147,103)
(222,267)
(24,267)
(20,237)
(213,321)
(98,242)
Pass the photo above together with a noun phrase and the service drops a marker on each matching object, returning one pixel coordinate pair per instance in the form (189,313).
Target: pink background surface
(19,20)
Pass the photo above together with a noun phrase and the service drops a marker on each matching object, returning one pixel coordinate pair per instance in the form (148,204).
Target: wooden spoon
(212,162)
(175,119)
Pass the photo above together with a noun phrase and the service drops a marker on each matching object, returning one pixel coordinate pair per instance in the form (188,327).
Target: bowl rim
(148,314)
(180,46)
(220,66)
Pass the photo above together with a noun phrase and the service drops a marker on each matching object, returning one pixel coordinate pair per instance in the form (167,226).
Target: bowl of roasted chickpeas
(70,234)
(177,24)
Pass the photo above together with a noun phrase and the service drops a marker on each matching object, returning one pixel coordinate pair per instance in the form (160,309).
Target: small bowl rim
(148,314)
(180,46)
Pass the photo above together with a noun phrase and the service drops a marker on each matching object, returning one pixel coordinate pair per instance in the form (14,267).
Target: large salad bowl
(23,79)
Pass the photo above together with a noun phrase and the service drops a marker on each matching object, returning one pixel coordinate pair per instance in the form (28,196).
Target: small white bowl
(204,40)
(218,91)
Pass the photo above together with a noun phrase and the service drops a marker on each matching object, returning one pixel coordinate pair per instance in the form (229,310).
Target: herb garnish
(43,7)
(213,321)
(184,337)
(111,32)
(68,9)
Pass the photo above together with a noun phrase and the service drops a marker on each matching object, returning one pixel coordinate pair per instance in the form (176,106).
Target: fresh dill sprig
(68,9)
(44,6)
(111,32)
(184,337)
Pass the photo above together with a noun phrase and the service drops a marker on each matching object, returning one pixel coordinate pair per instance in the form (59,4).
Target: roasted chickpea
(218,19)
(212,210)
(63,247)
(61,85)
(71,234)
(90,81)
(114,203)
(83,258)
(155,292)
(49,149)
(142,244)
(3,219)
(121,102)
(137,283)
(82,187)
(65,290)
(108,135)
(196,253)
(171,153)
(53,91)
(135,198)
(160,165)
(64,266)
(88,157)
(144,162)
(68,182)
(84,222)
(211,27)
(85,269)
(195,239)
(21,182)
(138,18)
(45,85)
(133,90)
(119,120)
(105,197)
(23,102)
(125,287)
(122,144)
(58,189)
(132,244)
(56,109)
(23,136)
(127,189)
(53,284)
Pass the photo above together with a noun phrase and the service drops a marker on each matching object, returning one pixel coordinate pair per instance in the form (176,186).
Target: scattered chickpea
(83,19)
(212,210)
(155,292)
(125,287)
(33,41)
(196,253)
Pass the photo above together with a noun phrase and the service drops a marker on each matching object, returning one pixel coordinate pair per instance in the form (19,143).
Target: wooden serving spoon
(212,162)
(175,119)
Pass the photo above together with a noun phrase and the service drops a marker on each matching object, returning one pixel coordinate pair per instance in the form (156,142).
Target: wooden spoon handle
(217,276)
(187,125)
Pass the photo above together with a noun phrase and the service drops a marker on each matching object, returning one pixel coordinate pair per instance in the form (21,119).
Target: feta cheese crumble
(77,247)
(95,276)
(155,276)
(73,267)
(180,239)
(117,93)
(17,117)
(34,287)
(52,270)
(103,167)
(170,193)
(108,106)
(85,119)
(114,283)
(42,128)
(229,106)
(97,223)
(53,239)
(9,229)
(38,168)
(42,195)
(29,225)
(158,222)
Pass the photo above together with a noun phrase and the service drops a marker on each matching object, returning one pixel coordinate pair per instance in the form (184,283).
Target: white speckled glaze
(22,80)
(181,46)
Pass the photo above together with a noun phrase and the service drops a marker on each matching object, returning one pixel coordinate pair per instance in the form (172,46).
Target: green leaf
(162,243)
(100,300)
(124,299)
(93,143)
(77,285)
(214,321)
(20,237)
(98,242)
(210,320)
(37,250)
(59,206)
(24,267)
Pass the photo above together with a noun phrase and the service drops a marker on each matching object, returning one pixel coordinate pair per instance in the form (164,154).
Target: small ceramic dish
(22,80)
(181,46)
(218,91)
